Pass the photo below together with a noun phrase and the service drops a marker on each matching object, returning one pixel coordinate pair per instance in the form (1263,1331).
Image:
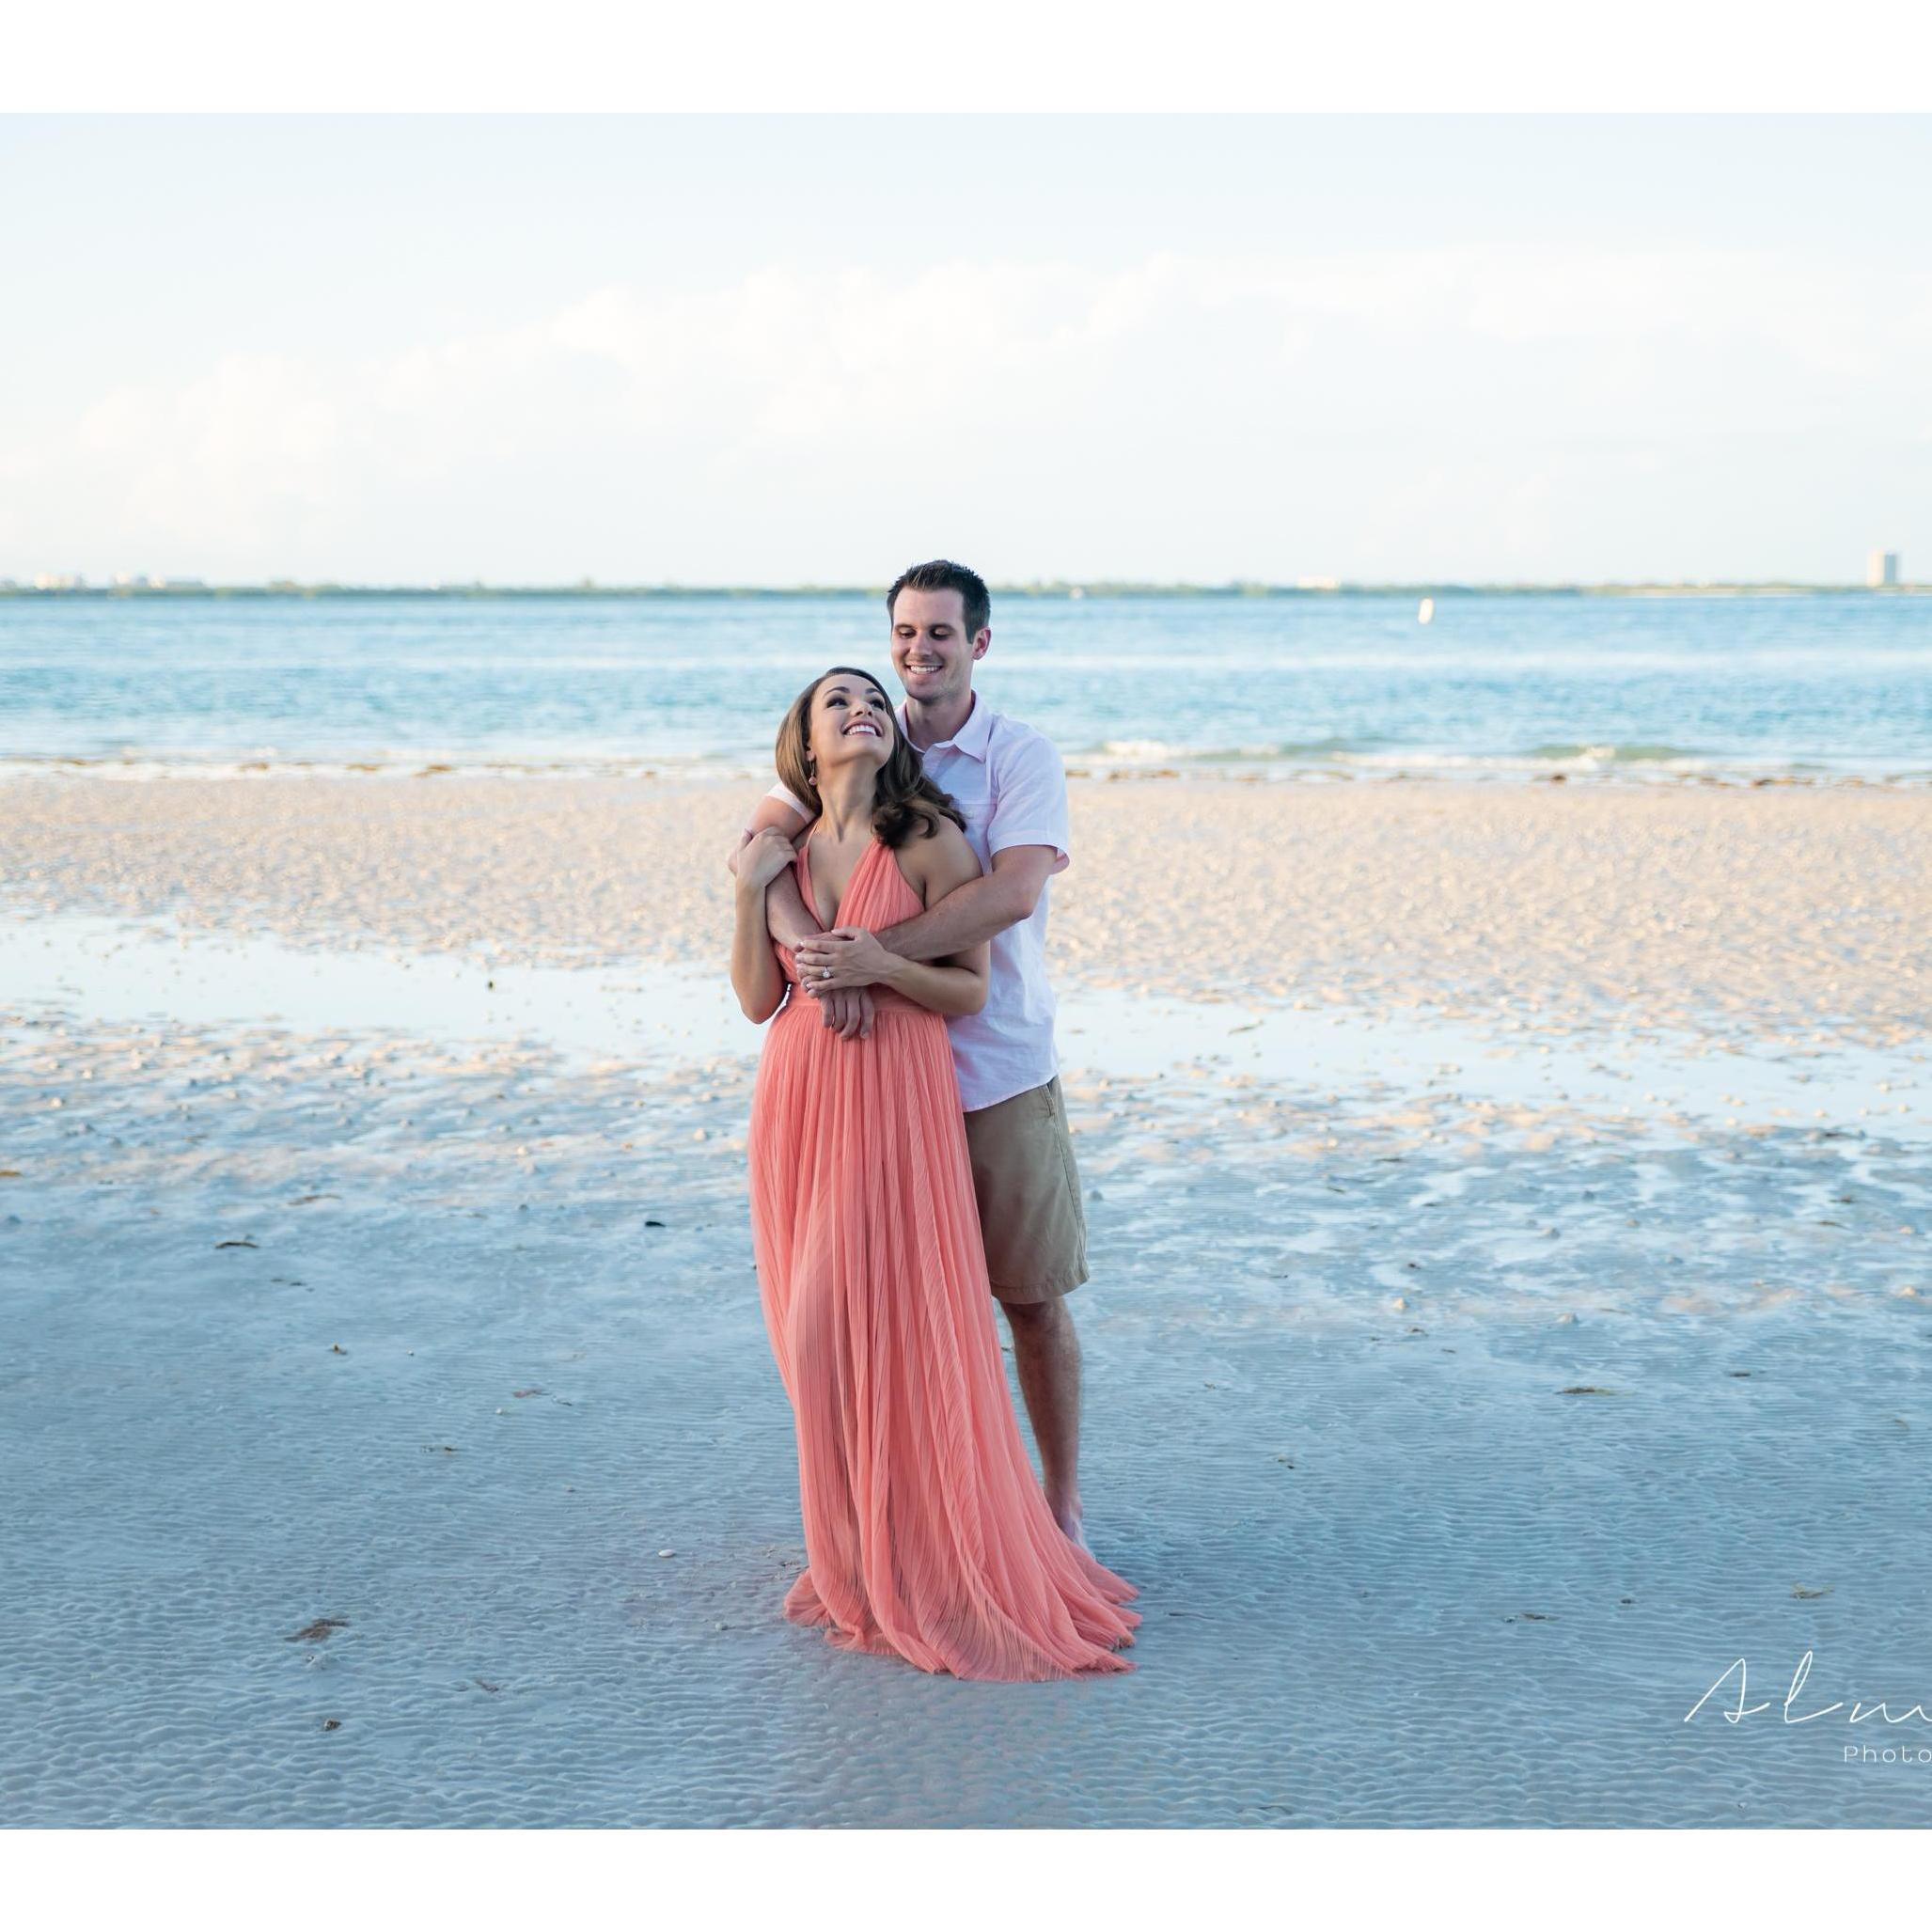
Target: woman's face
(850,720)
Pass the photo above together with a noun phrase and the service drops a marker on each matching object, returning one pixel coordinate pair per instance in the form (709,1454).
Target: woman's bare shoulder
(942,861)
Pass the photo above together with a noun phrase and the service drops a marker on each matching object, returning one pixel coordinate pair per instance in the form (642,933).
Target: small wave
(431,765)
(1384,753)
(1584,761)
(1606,760)
(1620,754)
(1156,751)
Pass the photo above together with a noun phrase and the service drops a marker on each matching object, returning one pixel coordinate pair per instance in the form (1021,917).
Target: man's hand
(845,957)
(737,860)
(760,857)
(848,1011)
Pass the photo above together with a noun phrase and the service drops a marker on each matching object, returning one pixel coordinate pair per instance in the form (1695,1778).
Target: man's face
(931,650)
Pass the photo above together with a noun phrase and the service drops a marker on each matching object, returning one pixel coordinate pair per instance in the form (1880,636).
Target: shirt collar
(972,737)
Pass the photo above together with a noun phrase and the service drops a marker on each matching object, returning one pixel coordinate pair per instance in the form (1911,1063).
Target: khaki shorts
(1029,1188)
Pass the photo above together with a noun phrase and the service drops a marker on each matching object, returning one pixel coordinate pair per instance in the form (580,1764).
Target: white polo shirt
(1009,781)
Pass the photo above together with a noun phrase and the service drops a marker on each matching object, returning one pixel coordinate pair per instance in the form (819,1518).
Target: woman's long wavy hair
(906,799)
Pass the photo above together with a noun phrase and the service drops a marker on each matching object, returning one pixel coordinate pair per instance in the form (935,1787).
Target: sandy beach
(1509,1211)
(1780,909)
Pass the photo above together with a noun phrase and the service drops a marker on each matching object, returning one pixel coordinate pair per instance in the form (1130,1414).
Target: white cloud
(1444,411)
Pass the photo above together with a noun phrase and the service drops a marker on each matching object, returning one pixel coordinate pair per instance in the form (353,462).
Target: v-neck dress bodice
(877,895)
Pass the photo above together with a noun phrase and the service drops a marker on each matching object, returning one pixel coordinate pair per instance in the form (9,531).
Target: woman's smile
(850,709)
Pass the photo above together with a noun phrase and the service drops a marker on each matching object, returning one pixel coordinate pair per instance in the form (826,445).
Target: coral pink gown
(927,1536)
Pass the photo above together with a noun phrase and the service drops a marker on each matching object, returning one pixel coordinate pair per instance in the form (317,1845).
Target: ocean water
(1819,685)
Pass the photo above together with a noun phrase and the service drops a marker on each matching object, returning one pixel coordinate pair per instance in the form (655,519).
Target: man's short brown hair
(939,575)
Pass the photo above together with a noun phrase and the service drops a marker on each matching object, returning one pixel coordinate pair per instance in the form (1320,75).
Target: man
(1008,780)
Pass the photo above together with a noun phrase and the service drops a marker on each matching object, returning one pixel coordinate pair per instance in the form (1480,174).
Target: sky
(810,350)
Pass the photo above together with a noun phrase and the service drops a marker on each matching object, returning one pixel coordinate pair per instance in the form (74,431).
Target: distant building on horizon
(1881,570)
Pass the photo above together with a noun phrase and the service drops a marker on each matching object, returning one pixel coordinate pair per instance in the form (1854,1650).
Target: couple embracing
(910,1161)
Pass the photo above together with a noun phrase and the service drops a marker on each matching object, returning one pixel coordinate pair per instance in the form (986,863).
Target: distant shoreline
(1060,592)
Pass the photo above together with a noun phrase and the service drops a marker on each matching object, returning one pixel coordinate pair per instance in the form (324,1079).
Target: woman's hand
(849,1013)
(845,957)
(762,858)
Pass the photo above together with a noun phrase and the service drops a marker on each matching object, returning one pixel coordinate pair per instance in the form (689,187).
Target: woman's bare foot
(1068,1516)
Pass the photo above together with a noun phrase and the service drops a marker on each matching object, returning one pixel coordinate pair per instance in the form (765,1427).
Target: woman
(926,1533)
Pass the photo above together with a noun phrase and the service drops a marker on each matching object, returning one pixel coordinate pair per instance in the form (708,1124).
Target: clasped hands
(838,972)
(846,957)
(835,967)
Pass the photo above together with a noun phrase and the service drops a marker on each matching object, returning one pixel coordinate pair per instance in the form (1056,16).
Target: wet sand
(1460,1424)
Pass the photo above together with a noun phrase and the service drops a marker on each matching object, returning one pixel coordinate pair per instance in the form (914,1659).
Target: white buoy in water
(1427,612)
